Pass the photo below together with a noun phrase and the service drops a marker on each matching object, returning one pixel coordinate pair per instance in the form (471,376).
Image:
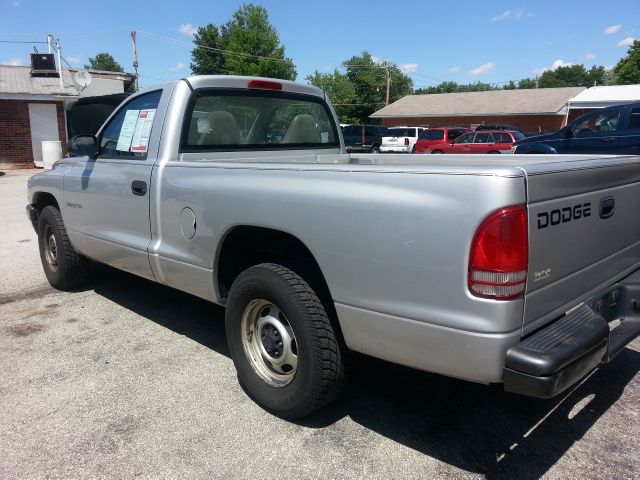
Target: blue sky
(464,41)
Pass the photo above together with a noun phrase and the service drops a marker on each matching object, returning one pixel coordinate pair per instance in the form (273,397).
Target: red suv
(497,141)
(436,135)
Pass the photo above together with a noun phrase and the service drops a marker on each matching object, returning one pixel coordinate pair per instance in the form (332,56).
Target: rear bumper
(555,357)
(402,149)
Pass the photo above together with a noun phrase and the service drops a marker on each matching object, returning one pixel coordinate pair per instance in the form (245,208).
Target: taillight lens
(264,85)
(500,255)
(406,141)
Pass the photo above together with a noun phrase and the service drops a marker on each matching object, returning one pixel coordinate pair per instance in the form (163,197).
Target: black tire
(321,357)
(494,152)
(65,268)
(413,149)
(375,149)
(438,151)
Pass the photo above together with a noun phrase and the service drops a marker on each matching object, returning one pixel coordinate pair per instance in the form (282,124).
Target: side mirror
(567,131)
(83,145)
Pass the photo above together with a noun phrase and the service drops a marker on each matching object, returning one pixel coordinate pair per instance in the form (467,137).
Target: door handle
(139,187)
(607,207)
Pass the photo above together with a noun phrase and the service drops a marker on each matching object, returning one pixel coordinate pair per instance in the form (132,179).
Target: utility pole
(388,83)
(135,57)
(49,36)
(59,49)
(536,81)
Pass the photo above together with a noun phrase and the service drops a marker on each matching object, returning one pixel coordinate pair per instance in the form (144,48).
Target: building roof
(604,96)
(537,101)
(18,80)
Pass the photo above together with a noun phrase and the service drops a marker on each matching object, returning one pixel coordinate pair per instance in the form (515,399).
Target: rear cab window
(228,120)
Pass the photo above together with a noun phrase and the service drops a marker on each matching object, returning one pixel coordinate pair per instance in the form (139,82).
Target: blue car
(611,130)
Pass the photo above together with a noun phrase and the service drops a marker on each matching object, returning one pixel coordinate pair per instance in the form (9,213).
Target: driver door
(106,199)
(597,134)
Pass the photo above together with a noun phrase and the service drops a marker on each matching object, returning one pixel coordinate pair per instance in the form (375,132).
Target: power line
(20,41)
(211,49)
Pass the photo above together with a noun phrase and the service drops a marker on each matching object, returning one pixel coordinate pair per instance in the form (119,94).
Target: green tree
(572,76)
(628,68)
(208,59)
(246,45)
(362,89)
(340,91)
(527,83)
(104,61)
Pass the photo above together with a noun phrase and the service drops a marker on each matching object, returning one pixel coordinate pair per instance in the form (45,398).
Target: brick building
(32,109)
(531,110)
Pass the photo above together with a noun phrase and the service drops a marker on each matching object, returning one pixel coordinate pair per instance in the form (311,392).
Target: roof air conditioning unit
(43,61)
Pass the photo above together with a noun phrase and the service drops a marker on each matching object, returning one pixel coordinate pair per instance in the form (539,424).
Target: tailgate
(584,231)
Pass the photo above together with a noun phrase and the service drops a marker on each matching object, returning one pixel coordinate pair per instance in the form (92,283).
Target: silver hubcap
(269,343)
(50,249)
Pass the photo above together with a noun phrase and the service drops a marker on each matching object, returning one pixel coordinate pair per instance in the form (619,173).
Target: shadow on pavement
(477,428)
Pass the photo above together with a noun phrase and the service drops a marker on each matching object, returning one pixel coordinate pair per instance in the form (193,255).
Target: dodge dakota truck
(520,270)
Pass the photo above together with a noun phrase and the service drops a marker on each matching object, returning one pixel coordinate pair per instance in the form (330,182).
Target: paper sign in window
(142,131)
(127,130)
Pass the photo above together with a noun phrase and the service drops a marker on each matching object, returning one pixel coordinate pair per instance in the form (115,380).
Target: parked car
(510,128)
(497,141)
(462,268)
(363,138)
(401,139)
(436,135)
(612,130)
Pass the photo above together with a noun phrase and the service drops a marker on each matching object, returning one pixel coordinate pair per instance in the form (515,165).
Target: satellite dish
(82,78)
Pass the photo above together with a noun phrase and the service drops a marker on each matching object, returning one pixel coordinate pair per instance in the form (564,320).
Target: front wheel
(63,266)
(283,345)
(438,152)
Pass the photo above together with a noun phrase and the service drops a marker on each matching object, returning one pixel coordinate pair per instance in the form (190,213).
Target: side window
(127,134)
(600,122)
(483,138)
(466,138)
(453,134)
(502,138)
(634,119)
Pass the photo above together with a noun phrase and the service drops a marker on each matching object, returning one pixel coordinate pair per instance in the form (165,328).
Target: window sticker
(142,131)
(127,130)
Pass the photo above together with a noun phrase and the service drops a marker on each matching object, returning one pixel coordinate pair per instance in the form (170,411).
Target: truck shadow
(476,428)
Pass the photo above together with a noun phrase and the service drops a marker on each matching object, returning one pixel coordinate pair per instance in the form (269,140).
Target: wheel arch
(44,199)
(243,246)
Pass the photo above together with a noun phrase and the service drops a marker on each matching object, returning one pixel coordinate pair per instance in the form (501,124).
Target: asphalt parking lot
(129,379)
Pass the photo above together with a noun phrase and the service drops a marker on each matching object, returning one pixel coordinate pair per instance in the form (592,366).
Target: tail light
(499,255)
(406,141)
(363,139)
(264,85)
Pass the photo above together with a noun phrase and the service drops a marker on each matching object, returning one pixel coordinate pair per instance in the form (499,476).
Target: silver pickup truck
(495,269)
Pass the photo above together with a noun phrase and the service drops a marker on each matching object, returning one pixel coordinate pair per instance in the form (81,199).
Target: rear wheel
(494,152)
(375,149)
(65,268)
(437,151)
(288,357)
